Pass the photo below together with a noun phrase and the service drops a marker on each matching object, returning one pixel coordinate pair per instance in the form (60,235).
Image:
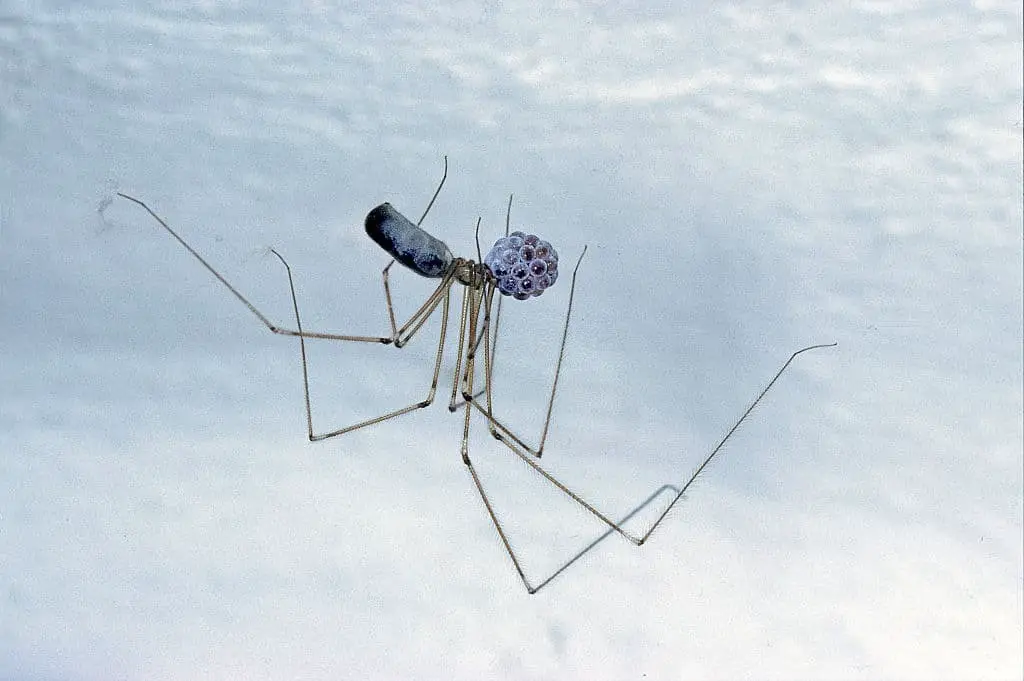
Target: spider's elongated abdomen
(408,244)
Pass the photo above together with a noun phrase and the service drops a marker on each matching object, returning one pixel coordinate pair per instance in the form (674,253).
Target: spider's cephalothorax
(471,273)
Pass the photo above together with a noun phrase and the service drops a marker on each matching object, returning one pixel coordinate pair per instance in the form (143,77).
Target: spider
(520,266)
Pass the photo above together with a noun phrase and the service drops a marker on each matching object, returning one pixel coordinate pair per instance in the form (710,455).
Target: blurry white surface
(749,177)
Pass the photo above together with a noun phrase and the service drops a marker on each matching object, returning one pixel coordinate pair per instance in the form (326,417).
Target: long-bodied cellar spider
(519,265)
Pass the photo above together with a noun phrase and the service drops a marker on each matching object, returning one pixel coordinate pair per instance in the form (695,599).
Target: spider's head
(524,265)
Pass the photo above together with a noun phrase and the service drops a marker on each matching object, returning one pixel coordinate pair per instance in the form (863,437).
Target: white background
(750,177)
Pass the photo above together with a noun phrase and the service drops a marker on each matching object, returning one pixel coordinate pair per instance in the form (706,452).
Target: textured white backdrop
(750,177)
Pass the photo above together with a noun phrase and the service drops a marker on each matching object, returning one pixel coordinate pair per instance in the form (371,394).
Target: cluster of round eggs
(524,265)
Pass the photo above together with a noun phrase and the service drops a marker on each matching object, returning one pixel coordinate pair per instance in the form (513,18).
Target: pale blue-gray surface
(749,177)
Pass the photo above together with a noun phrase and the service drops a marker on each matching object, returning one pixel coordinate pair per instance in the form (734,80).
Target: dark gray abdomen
(408,244)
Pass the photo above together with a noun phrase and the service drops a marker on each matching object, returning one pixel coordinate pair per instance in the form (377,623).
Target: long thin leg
(614,526)
(469,310)
(492,329)
(471,306)
(399,338)
(498,429)
(497,315)
(456,380)
(315,437)
(444,176)
(725,438)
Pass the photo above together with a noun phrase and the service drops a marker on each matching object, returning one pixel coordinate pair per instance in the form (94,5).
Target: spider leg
(400,336)
(497,428)
(492,329)
(441,295)
(470,311)
(613,526)
(607,533)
